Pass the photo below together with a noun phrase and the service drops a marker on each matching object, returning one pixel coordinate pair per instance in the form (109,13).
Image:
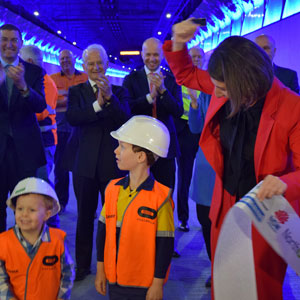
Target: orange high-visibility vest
(46,118)
(134,265)
(38,278)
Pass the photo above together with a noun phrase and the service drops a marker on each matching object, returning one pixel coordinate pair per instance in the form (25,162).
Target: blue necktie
(9,84)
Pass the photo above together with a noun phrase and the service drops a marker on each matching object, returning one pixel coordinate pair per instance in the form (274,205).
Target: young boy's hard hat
(32,185)
(146,132)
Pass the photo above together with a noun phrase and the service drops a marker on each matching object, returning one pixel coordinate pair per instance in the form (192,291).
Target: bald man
(67,77)
(156,94)
(287,76)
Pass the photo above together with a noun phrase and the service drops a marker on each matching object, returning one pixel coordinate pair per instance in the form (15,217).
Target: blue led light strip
(51,52)
(243,13)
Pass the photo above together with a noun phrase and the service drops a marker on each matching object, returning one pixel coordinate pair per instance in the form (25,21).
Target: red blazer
(277,146)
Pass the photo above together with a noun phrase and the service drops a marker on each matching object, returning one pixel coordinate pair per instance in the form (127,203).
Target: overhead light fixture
(116,58)
(36,13)
(168,15)
(58,31)
(159,33)
(74,43)
(129,52)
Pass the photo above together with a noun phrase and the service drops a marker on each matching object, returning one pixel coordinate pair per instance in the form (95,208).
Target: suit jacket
(91,144)
(18,120)
(168,105)
(277,146)
(288,77)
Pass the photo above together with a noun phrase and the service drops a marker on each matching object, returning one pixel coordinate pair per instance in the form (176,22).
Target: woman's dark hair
(151,158)
(245,69)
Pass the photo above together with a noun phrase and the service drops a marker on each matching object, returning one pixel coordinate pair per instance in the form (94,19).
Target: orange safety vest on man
(63,83)
(137,239)
(40,277)
(46,119)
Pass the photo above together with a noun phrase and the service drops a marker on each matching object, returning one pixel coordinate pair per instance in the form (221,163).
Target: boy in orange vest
(34,260)
(135,239)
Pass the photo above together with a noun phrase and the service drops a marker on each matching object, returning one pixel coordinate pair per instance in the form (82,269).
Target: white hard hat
(32,185)
(146,132)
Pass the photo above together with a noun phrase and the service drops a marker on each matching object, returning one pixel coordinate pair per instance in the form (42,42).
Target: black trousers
(87,193)
(189,144)
(117,292)
(11,172)
(202,216)
(61,174)
(164,170)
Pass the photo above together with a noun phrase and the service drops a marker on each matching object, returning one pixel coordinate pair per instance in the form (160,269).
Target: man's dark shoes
(208,282)
(81,274)
(184,226)
(176,254)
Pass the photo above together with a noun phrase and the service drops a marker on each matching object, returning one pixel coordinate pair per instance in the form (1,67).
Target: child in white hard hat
(135,238)
(34,260)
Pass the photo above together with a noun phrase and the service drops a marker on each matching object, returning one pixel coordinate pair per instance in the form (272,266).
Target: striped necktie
(96,90)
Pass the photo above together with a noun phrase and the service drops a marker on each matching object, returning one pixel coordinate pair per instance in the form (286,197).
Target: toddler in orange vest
(135,238)
(34,260)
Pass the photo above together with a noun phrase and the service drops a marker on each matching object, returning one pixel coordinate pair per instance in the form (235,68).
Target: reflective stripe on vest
(137,238)
(48,127)
(186,99)
(51,110)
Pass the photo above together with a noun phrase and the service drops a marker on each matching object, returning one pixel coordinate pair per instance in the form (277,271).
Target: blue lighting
(253,20)
(247,6)
(212,28)
(116,73)
(291,7)
(273,12)
(196,41)
(51,50)
(224,34)
(233,15)
(240,18)
(236,27)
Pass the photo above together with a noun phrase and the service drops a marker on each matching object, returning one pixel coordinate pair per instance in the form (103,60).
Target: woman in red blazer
(251,133)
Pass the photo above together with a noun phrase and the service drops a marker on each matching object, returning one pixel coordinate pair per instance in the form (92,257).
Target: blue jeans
(44,171)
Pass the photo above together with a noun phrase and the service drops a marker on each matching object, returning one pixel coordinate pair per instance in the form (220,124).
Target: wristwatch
(24,92)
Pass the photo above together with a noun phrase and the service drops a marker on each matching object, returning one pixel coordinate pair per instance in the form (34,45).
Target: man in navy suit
(287,76)
(95,108)
(156,94)
(21,96)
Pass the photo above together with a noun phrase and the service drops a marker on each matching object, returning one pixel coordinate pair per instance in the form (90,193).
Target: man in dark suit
(287,76)
(157,95)
(95,108)
(21,96)
(189,144)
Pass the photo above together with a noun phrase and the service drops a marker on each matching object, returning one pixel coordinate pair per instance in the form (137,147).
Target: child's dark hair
(151,157)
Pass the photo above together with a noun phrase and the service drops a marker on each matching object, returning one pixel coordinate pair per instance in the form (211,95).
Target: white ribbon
(277,222)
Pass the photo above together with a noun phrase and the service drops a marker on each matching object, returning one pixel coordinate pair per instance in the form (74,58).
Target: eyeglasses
(6,40)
